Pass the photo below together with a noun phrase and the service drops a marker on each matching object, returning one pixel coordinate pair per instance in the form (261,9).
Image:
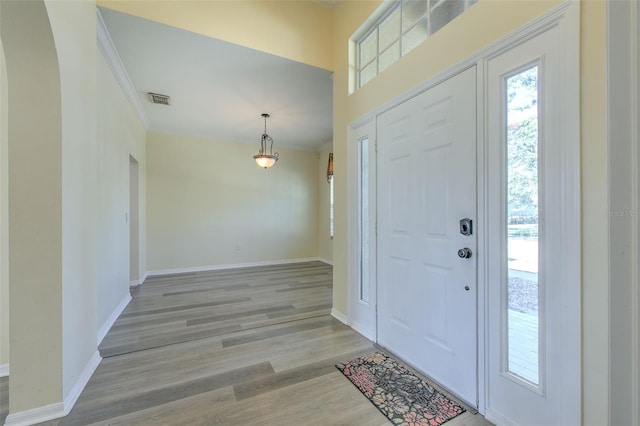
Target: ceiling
(218,89)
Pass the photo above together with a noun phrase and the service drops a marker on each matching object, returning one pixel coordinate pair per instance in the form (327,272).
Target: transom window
(405,25)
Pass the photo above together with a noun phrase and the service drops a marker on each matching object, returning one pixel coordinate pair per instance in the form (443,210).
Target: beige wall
(465,35)
(120,133)
(35,205)
(595,247)
(209,204)
(325,242)
(4,217)
(298,30)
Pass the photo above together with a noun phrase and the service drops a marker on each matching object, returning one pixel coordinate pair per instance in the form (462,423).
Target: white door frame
(362,317)
(528,31)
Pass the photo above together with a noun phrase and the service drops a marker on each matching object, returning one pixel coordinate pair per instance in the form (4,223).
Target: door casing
(568,13)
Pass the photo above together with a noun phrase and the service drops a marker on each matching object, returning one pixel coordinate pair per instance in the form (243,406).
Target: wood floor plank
(251,312)
(88,411)
(292,376)
(250,346)
(4,398)
(267,333)
(142,312)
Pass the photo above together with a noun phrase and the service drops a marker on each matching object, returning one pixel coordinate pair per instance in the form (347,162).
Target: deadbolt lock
(466,226)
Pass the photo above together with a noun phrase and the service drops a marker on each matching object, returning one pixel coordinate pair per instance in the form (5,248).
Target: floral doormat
(398,393)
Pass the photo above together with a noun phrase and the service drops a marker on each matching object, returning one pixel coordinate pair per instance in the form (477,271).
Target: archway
(34,138)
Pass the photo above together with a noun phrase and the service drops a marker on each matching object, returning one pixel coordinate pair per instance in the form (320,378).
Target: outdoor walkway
(523,345)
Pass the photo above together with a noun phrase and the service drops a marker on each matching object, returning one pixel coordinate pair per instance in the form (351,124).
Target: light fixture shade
(265,161)
(266,157)
(330,167)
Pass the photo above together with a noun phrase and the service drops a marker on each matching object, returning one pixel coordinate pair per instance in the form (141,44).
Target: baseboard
(112,318)
(134,283)
(173,271)
(87,372)
(36,415)
(339,316)
(4,370)
(325,260)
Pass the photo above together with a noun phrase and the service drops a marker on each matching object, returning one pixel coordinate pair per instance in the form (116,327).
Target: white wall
(325,242)
(74,28)
(119,134)
(209,204)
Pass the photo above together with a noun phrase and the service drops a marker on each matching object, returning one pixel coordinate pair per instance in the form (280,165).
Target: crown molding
(105,43)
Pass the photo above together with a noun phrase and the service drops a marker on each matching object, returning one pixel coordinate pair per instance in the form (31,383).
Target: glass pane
(522,226)
(368,49)
(414,37)
(389,56)
(364,220)
(412,12)
(368,73)
(444,12)
(389,30)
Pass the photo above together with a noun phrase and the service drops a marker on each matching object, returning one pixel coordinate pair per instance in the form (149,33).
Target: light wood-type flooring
(251,346)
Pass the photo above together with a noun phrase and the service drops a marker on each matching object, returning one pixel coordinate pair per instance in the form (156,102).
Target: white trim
(36,415)
(481,242)
(339,316)
(72,397)
(4,370)
(325,260)
(134,283)
(366,129)
(108,49)
(102,332)
(569,27)
(174,271)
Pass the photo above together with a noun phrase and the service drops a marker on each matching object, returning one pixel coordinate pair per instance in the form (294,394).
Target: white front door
(427,293)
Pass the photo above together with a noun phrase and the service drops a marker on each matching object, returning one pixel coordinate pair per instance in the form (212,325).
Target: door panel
(533,199)
(427,183)
(364,296)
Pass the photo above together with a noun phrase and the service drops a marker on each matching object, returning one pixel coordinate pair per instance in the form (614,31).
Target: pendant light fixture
(263,158)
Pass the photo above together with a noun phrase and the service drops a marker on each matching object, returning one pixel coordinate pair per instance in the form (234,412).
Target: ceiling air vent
(157,98)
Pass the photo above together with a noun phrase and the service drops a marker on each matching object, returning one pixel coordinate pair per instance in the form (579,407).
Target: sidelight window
(522,227)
